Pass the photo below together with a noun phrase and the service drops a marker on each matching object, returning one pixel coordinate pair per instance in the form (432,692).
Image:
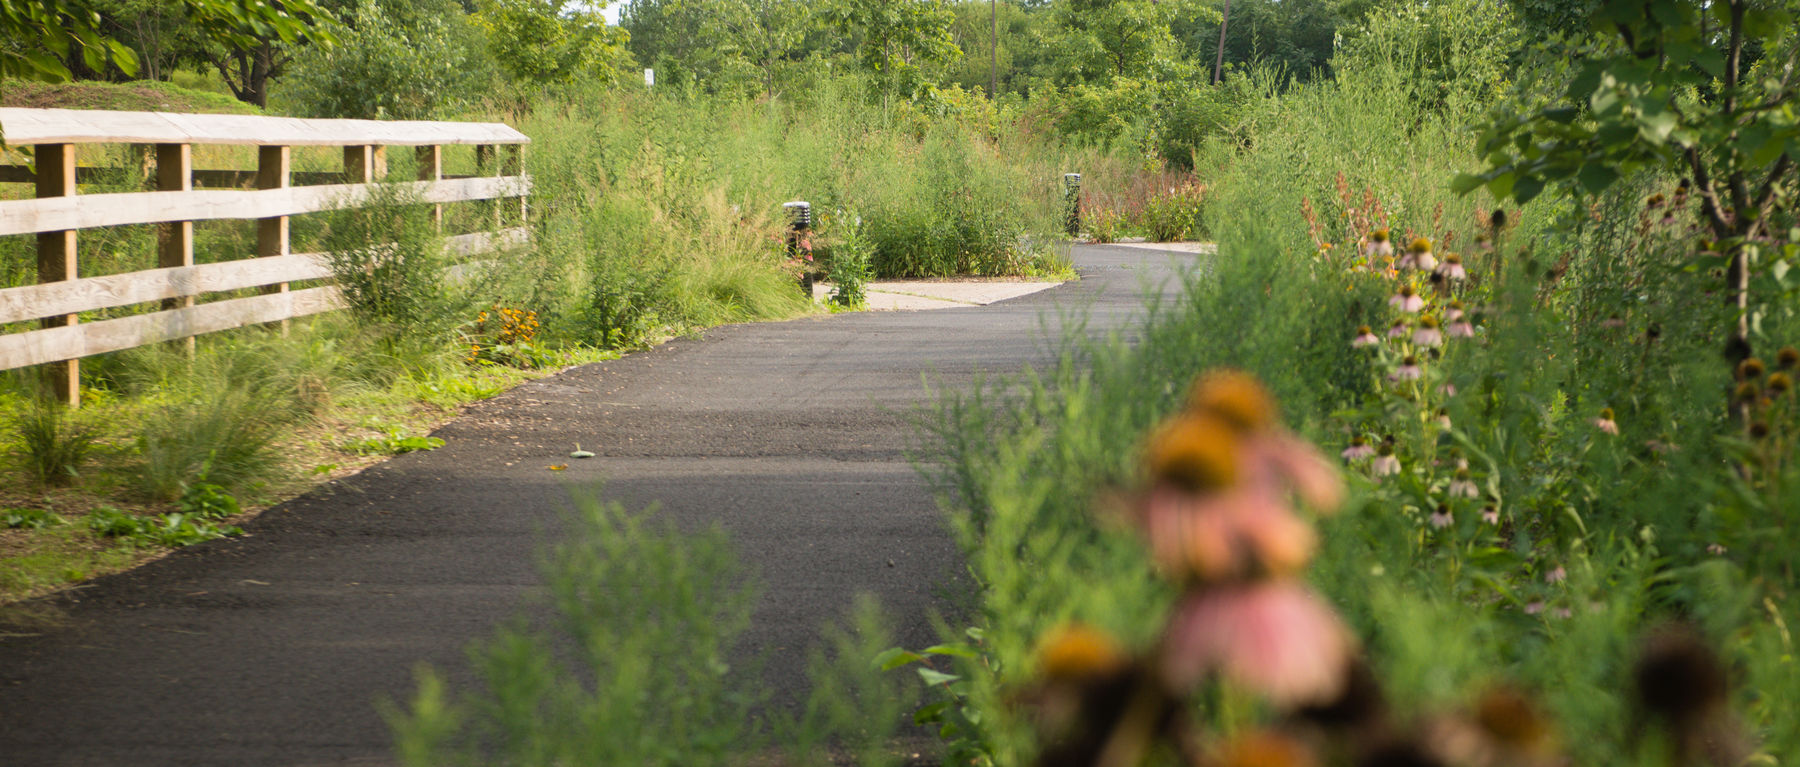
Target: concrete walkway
(273,649)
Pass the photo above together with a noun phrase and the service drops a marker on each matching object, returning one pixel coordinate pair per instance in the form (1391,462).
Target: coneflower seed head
(1196,452)
(1234,397)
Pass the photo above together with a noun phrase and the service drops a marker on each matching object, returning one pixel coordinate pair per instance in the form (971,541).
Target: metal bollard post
(1072,203)
(799,246)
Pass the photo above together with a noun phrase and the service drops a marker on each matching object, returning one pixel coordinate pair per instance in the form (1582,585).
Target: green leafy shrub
(649,616)
(849,268)
(29,519)
(388,258)
(1175,216)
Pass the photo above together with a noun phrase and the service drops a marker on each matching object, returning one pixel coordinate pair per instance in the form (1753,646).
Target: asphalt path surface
(273,649)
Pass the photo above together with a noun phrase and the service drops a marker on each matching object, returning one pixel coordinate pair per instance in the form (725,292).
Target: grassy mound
(140,96)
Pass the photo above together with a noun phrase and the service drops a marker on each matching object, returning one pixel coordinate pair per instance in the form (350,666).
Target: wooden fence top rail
(95,126)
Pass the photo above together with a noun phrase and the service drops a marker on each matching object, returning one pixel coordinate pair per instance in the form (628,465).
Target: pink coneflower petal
(1715,549)
(1406,373)
(1224,536)
(1491,516)
(1384,465)
(1606,425)
(1298,466)
(1452,271)
(1440,519)
(1364,337)
(1428,337)
(1357,451)
(1563,612)
(1460,329)
(1397,330)
(1533,608)
(1271,637)
(1462,488)
(1448,390)
(1556,575)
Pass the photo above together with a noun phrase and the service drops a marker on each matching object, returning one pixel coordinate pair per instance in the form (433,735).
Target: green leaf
(1527,189)
(930,713)
(1465,183)
(1501,186)
(895,658)
(1656,127)
(1595,177)
(958,650)
(935,677)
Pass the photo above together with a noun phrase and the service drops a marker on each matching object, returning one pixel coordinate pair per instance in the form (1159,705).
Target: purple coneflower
(1409,370)
(1418,256)
(1443,418)
(1385,462)
(1490,515)
(1440,519)
(1459,328)
(1534,607)
(1462,486)
(1428,333)
(1556,575)
(1448,389)
(1378,245)
(1406,300)
(1359,449)
(1398,329)
(1452,268)
(1272,637)
(1364,337)
(1605,422)
(1715,549)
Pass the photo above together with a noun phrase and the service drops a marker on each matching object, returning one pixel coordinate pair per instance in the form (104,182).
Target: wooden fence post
(431,168)
(175,240)
(515,166)
(56,258)
(274,170)
(485,165)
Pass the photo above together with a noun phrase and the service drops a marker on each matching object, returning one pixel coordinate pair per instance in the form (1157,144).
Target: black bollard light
(1072,203)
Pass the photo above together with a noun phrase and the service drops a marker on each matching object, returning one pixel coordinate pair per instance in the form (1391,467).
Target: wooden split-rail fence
(267,195)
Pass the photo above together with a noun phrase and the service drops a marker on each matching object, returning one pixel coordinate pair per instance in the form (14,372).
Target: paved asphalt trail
(271,649)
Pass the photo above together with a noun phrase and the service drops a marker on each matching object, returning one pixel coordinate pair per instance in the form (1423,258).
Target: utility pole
(1219,64)
(994,50)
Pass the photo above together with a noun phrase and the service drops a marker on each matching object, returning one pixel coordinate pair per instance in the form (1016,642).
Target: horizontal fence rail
(266,195)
